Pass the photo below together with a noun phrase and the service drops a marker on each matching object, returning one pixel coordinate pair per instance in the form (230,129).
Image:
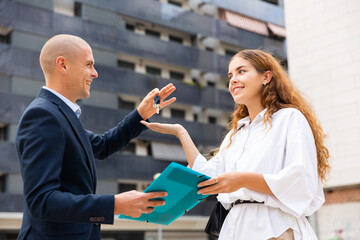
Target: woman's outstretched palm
(172,129)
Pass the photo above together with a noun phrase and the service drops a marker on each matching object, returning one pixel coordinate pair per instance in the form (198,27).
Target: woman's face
(245,83)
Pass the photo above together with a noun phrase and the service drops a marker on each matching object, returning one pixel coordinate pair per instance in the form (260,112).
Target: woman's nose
(233,79)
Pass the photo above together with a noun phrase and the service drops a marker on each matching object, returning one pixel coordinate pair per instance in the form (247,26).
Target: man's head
(68,65)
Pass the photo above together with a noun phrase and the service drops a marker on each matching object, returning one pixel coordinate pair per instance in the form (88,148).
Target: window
(125,187)
(149,150)
(176,75)
(126,65)
(209,49)
(212,120)
(272,1)
(229,119)
(77,9)
(230,53)
(5,37)
(4,132)
(175,39)
(153,71)
(123,104)
(152,33)
(2,182)
(129,27)
(284,63)
(195,117)
(211,84)
(129,149)
(176,3)
(178,113)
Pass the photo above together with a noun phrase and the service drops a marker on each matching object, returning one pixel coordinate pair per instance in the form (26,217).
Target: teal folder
(181,185)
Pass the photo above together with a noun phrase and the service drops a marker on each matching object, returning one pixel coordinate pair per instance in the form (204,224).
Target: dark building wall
(31,23)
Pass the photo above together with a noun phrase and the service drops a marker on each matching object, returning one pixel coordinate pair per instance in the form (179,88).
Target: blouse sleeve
(215,166)
(297,187)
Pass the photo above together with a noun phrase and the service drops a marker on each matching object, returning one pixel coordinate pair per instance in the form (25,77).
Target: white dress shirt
(286,156)
(76,108)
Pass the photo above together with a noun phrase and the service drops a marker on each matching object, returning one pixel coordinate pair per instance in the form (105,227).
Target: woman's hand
(172,129)
(232,181)
(224,183)
(191,152)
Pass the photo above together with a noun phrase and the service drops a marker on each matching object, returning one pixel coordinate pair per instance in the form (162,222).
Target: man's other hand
(134,203)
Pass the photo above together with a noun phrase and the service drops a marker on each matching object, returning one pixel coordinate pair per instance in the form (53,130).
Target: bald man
(57,154)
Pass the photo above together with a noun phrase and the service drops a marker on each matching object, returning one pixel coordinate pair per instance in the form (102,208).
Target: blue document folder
(181,185)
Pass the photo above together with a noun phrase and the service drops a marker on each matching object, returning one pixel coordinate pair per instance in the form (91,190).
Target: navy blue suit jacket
(57,165)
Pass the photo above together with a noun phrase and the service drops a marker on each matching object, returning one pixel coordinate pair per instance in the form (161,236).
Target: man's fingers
(168,102)
(166,88)
(149,210)
(153,92)
(150,96)
(164,94)
(151,195)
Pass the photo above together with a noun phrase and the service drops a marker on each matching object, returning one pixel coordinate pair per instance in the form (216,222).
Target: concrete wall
(323,57)
(335,225)
(322,39)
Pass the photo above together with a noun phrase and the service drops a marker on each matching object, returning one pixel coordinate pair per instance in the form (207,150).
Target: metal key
(156,105)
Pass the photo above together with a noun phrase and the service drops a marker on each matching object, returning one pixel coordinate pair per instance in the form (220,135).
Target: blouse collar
(246,120)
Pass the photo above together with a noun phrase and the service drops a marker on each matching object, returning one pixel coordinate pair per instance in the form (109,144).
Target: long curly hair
(277,94)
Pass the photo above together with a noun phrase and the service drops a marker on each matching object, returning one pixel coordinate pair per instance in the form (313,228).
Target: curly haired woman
(269,167)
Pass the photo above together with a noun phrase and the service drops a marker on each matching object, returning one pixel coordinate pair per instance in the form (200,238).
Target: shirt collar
(76,108)
(246,120)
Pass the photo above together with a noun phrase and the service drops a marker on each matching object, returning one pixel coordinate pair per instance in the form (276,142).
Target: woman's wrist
(181,131)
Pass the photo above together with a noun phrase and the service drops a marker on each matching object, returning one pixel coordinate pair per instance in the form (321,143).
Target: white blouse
(286,156)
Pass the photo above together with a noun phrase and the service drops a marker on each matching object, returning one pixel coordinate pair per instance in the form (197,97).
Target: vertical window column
(2,182)
(5,35)
(4,132)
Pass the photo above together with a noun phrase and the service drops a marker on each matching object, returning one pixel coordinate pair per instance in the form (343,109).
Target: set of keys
(156,105)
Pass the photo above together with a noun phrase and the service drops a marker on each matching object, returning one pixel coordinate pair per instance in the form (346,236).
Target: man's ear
(267,77)
(61,64)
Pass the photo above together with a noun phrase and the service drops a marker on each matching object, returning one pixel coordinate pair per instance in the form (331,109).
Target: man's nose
(94,73)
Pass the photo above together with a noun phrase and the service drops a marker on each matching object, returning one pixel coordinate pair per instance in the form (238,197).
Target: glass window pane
(212,120)
(176,75)
(126,65)
(128,105)
(4,132)
(125,187)
(153,71)
(175,39)
(152,33)
(129,149)
(77,9)
(177,113)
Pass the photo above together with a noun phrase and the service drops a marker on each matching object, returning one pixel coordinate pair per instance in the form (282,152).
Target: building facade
(137,45)
(323,53)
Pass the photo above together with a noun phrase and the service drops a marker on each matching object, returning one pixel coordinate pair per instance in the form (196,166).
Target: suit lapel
(77,128)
